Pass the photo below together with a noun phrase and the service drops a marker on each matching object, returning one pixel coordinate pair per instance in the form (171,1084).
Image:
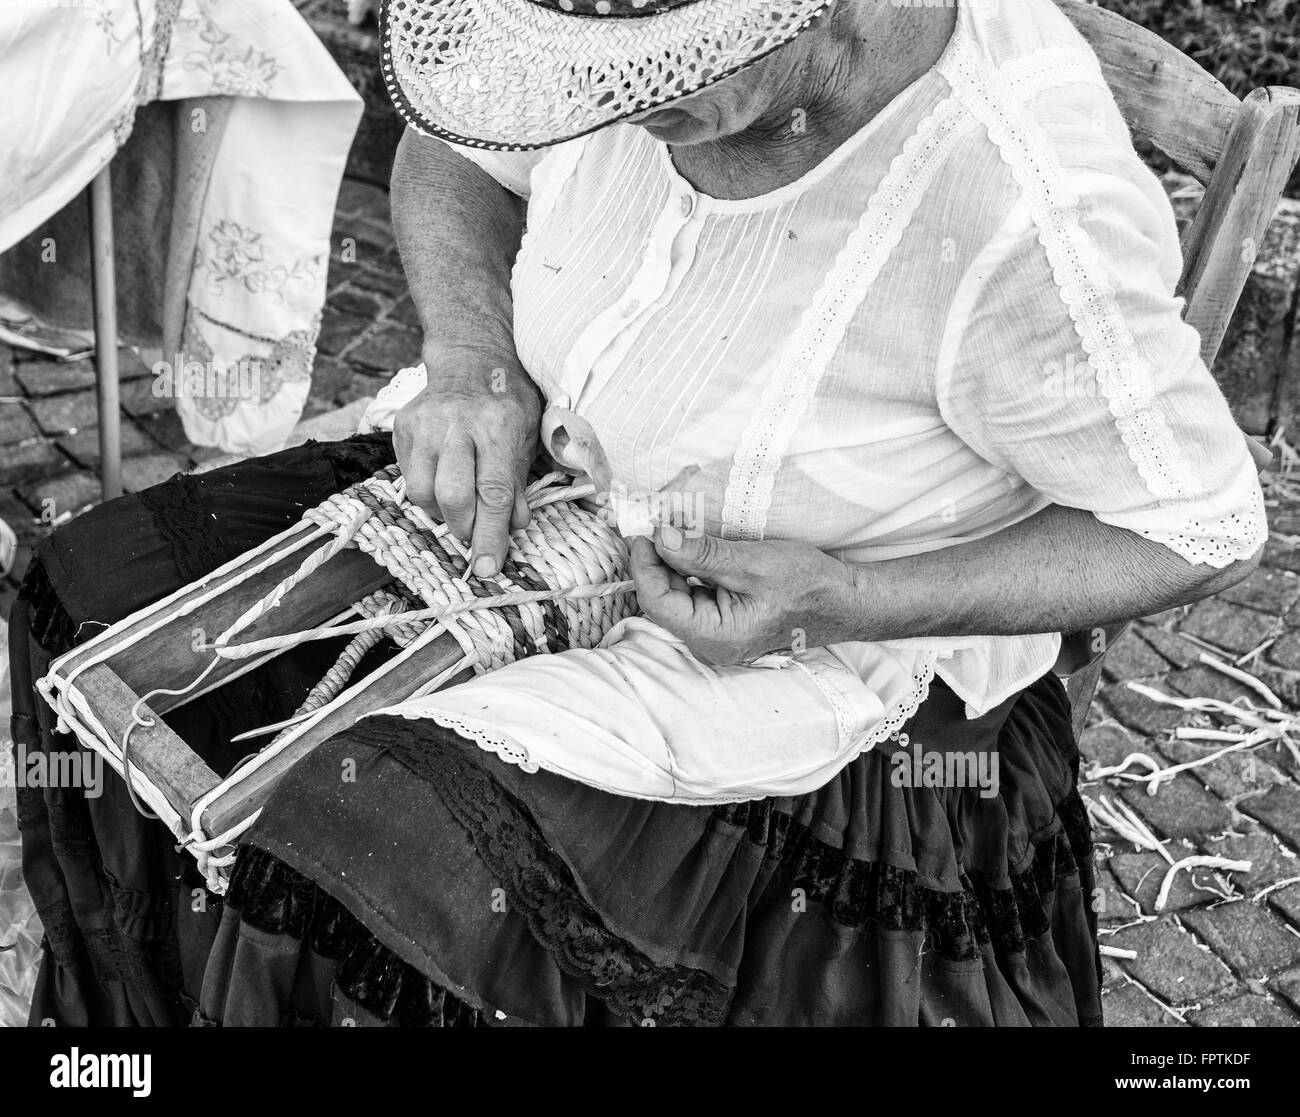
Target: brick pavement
(1202,962)
(1209,958)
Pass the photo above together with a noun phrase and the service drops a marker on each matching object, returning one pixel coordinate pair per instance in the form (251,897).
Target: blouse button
(688,205)
(630,308)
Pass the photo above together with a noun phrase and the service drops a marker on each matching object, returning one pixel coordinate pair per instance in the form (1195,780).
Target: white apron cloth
(641,716)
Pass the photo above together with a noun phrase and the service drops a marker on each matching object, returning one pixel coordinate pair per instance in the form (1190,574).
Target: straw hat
(515,74)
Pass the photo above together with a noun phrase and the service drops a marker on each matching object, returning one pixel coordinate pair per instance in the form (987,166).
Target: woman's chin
(672,126)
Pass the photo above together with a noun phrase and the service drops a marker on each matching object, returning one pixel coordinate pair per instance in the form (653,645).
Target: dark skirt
(400,875)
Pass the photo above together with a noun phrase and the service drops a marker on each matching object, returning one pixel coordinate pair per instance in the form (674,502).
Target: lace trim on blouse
(1052,68)
(1122,376)
(826,319)
(922,676)
(834,699)
(487,738)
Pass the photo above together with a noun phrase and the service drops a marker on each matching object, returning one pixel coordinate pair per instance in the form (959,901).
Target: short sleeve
(1067,363)
(512,169)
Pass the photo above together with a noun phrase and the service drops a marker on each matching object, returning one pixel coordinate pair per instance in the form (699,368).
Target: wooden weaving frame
(161,648)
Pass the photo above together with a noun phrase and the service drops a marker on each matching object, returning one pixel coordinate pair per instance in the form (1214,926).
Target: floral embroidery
(234,72)
(236,247)
(251,380)
(102,16)
(236,255)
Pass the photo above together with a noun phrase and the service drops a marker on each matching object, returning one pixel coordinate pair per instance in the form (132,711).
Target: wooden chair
(1243,153)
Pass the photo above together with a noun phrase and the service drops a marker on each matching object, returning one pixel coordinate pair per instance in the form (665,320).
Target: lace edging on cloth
(498,744)
(182,518)
(1052,68)
(902,713)
(1222,542)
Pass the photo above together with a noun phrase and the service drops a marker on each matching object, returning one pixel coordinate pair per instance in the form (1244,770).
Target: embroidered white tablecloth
(75,72)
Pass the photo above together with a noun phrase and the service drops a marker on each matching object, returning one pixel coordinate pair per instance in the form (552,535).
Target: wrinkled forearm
(458,232)
(1062,570)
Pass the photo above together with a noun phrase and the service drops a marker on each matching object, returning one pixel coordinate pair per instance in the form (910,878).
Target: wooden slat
(168,762)
(394,682)
(131,628)
(167,658)
(1166,98)
(1241,201)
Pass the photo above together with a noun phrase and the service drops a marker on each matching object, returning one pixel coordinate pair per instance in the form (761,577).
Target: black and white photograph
(651,513)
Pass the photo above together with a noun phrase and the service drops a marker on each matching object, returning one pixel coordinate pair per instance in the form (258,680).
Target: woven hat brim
(512,75)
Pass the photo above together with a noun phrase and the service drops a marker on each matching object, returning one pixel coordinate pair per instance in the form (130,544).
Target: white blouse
(963,315)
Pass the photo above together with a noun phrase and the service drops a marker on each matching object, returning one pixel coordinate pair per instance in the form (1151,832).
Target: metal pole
(104,290)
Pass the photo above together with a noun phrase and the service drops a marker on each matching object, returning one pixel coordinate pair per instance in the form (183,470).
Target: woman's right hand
(465,445)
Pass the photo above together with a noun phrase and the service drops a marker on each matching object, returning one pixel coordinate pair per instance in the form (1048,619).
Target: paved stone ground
(1205,961)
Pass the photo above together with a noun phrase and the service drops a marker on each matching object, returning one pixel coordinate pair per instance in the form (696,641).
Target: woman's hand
(467,441)
(757,597)
(465,445)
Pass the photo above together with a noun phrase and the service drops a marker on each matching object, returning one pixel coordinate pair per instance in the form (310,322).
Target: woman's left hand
(757,597)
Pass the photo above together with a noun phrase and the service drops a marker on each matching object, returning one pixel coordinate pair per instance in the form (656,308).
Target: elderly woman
(883,296)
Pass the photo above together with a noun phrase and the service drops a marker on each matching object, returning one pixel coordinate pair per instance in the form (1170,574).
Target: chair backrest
(1242,152)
